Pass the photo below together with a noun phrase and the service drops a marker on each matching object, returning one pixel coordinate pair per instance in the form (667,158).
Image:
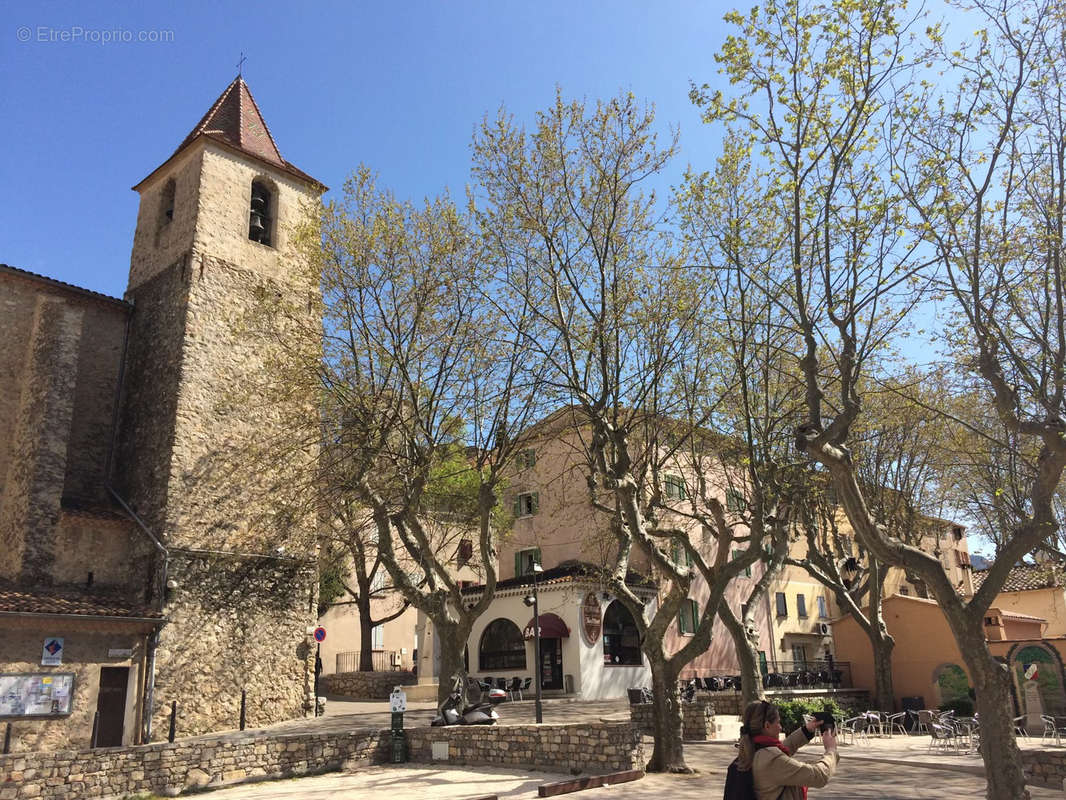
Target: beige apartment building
(801,609)
(589,641)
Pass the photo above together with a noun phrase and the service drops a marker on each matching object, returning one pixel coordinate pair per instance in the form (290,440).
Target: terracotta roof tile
(1025,577)
(66,601)
(235,120)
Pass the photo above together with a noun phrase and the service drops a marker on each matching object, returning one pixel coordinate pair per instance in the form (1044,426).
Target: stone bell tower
(214,233)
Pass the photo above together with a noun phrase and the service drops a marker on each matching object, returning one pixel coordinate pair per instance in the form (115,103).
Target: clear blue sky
(399,86)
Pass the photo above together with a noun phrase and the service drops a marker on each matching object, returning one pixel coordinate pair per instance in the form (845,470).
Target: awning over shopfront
(551,627)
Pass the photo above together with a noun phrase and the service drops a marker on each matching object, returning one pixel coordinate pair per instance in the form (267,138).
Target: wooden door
(111,705)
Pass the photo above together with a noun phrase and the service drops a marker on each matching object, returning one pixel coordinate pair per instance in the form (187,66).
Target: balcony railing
(383,660)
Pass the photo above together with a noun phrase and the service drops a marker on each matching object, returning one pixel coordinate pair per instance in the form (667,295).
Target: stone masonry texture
(210,762)
(366,685)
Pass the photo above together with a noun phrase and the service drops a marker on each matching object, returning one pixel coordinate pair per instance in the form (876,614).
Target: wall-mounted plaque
(591,618)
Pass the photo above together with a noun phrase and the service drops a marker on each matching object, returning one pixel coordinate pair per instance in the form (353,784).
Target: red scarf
(762,741)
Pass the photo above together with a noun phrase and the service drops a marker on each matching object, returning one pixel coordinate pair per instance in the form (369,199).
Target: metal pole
(318,670)
(173,720)
(7,739)
(244,706)
(96,730)
(536,651)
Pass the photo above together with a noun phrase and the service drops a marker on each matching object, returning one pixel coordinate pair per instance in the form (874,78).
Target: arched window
(261,214)
(502,646)
(621,640)
(952,683)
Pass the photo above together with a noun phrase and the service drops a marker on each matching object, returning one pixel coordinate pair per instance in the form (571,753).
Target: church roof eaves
(63,285)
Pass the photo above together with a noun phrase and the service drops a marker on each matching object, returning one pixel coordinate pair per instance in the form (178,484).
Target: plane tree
(975,153)
(422,392)
(574,236)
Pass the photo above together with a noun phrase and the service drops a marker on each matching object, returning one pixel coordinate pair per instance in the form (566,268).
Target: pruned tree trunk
(746,641)
(668,754)
(452,639)
(366,636)
(882,644)
(999,750)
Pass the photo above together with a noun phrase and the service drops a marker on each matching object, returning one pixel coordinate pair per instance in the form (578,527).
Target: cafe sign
(591,618)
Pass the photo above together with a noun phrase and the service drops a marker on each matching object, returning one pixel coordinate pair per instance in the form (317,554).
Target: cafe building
(589,641)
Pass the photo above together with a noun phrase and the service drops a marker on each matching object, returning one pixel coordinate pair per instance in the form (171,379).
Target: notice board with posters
(36,694)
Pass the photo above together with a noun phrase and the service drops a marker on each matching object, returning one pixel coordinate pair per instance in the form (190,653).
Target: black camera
(827,719)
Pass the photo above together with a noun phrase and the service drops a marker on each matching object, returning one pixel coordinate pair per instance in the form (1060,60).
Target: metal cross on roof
(240,64)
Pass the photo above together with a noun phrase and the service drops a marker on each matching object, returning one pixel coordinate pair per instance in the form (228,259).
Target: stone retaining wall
(169,769)
(365,685)
(697,719)
(1044,767)
(577,747)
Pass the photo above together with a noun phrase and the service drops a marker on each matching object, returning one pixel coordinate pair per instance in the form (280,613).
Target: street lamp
(531,600)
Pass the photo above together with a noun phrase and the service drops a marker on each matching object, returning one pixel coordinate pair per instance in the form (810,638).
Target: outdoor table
(969,727)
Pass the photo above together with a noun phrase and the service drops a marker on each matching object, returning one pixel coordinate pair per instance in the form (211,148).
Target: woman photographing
(776,774)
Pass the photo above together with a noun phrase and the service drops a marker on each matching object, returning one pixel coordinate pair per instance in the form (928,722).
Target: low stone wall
(731,702)
(577,747)
(184,765)
(189,764)
(365,685)
(1044,767)
(697,719)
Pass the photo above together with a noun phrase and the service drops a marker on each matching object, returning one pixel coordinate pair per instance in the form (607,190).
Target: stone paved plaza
(855,778)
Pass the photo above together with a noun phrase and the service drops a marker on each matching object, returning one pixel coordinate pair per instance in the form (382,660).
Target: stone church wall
(100,354)
(56,413)
(236,622)
(153,369)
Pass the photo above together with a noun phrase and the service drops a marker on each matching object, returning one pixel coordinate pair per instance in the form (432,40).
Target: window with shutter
(734,501)
(738,554)
(782,604)
(801,606)
(675,488)
(465,551)
(524,561)
(689,617)
(526,504)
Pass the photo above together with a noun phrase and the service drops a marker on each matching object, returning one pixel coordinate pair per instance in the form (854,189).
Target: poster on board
(36,694)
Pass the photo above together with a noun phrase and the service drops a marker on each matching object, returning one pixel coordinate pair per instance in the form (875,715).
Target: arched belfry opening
(261,214)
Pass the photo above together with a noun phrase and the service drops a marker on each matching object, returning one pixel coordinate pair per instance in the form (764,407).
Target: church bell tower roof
(235,121)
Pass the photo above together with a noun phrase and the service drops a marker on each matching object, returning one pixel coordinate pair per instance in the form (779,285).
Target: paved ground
(854,779)
(896,767)
(343,714)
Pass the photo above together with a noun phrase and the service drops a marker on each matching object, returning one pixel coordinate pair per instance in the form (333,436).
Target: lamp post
(531,600)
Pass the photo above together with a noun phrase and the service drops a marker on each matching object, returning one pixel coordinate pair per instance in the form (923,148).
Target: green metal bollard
(399,747)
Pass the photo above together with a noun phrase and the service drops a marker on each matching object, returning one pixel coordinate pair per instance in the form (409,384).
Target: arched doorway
(952,685)
(1045,667)
(501,647)
(621,639)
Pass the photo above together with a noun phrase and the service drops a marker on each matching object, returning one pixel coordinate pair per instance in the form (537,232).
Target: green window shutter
(536,503)
(518,563)
(536,556)
(531,458)
(518,505)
